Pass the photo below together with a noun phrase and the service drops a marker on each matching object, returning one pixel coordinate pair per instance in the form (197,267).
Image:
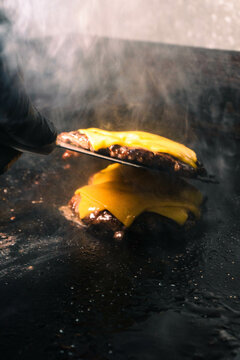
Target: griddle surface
(68,295)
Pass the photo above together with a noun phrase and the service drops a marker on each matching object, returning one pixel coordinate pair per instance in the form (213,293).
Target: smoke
(80,79)
(209,23)
(67,65)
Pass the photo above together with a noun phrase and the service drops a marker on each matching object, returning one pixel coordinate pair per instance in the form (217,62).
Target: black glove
(22,127)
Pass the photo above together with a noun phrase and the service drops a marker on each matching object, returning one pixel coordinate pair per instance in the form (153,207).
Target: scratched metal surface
(68,295)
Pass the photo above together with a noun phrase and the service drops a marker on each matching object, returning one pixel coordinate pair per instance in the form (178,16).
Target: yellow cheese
(139,139)
(127,192)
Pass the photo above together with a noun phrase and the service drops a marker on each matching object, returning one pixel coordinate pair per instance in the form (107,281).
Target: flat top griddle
(68,295)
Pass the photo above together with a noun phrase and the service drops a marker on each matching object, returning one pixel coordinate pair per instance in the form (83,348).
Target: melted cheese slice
(100,139)
(127,192)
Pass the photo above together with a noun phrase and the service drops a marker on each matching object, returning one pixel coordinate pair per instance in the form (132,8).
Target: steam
(209,23)
(67,66)
(73,74)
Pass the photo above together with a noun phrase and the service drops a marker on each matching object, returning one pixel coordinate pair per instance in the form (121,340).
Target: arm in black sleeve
(22,127)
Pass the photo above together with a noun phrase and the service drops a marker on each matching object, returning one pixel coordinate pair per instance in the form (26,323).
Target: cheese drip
(100,139)
(127,192)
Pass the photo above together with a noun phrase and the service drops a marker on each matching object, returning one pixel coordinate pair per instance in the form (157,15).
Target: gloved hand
(22,127)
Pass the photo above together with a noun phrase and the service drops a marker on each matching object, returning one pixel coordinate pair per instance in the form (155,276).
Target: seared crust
(160,161)
(76,139)
(104,224)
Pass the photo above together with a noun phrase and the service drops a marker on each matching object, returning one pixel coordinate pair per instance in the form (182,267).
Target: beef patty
(105,225)
(160,161)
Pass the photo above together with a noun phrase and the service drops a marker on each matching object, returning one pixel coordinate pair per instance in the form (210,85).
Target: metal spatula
(65,146)
(60,144)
